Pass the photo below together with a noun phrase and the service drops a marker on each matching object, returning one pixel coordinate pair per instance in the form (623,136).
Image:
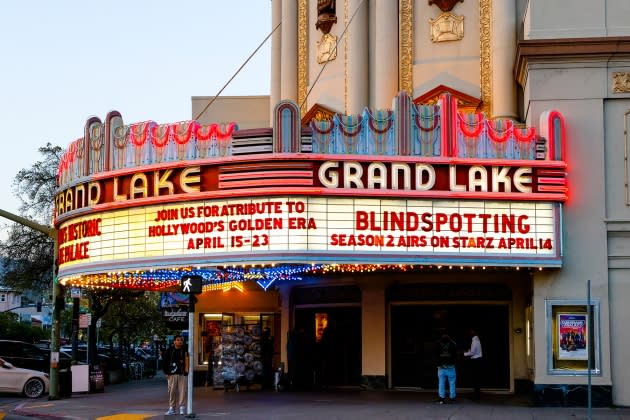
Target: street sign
(191,284)
(83,321)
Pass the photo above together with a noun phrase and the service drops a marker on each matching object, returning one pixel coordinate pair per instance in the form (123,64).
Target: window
(3,297)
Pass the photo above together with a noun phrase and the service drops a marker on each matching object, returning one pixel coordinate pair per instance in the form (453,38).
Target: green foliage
(29,253)
(12,329)
(133,320)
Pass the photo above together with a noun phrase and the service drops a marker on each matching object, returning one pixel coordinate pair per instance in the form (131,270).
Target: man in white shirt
(475,355)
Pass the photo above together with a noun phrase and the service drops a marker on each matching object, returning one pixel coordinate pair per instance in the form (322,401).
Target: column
(383,53)
(373,334)
(288,54)
(285,315)
(357,57)
(276,48)
(503,53)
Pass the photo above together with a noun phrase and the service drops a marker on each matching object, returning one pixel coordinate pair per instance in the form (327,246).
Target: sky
(64,61)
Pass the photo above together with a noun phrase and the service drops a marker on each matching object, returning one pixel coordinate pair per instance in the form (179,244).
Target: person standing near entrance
(176,370)
(446,354)
(475,355)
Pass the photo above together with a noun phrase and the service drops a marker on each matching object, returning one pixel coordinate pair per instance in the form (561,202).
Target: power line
(237,71)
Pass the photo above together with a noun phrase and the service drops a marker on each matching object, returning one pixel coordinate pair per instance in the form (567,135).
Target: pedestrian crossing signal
(191,284)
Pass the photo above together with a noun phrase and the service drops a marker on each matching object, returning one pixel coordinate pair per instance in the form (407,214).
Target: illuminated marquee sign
(311,230)
(437,178)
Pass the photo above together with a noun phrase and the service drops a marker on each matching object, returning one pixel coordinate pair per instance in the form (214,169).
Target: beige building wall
(246,111)
(577,90)
(548,19)
(451,63)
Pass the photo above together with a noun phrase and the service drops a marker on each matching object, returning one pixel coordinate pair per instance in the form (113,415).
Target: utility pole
(57,293)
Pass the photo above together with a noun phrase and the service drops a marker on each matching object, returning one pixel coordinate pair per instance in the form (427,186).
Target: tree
(27,252)
(133,319)
(12,329)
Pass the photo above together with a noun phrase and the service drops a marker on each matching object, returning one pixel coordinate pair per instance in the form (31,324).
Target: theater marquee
(313,230)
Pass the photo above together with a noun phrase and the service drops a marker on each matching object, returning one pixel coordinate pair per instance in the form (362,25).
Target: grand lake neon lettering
(422,177)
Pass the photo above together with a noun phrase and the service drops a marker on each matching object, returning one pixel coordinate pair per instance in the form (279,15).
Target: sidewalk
(146,399)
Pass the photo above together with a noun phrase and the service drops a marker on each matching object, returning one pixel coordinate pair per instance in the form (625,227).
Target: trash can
(65,383)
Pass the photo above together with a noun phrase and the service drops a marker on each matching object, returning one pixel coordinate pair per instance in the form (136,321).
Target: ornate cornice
(485,55)
(318,112)
(465,103)
(562,49)
(302,69)
(405,49)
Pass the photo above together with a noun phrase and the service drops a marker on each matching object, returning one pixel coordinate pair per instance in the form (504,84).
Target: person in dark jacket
(446,355)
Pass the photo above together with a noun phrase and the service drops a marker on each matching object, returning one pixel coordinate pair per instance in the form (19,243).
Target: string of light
(228,277)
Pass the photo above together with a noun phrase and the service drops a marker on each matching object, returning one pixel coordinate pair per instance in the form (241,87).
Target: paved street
(146,399)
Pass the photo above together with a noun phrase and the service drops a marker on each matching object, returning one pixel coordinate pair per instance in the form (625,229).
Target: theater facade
(461,182)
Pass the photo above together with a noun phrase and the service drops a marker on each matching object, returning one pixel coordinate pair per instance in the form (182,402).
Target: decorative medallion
(326,48)
(447,27)
(445,5)
(621,82)
(326,15)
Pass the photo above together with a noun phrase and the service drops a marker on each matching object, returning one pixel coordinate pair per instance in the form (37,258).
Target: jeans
(446,372)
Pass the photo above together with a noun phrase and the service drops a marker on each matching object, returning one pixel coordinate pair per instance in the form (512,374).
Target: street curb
(21,412)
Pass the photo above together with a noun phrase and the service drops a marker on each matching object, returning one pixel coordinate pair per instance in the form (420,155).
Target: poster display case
(572,337)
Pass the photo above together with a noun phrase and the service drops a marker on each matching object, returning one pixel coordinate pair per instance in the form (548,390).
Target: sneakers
(170,412)
(453,400)
(442,401)
(182,411)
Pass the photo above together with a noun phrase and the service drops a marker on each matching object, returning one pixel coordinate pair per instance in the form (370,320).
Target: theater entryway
(415,328)
(333,355)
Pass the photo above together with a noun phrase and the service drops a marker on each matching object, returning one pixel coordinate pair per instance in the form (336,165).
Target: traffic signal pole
(57,292)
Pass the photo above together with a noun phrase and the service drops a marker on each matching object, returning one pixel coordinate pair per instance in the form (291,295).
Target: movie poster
(572,336)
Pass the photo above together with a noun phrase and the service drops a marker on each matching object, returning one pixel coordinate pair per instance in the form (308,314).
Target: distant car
(29,356)
(29,382)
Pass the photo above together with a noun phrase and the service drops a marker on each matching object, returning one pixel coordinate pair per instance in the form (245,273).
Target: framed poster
(573,336)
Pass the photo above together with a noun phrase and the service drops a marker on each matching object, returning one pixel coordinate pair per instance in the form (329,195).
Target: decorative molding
(485,54)
(445,5)
(465,103)
(326,48)
(447,27)
(603,48)
(326,15)
(405,46)
(318,112)
(621,82)
(302,69)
